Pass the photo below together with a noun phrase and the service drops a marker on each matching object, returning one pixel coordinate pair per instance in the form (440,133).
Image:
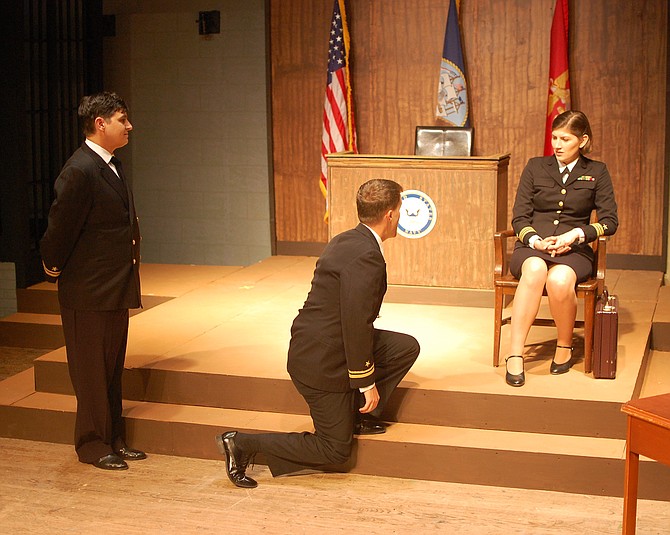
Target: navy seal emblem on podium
(417,214)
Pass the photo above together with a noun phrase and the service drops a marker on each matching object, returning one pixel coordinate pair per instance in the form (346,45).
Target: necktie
(119,168)
(122,176)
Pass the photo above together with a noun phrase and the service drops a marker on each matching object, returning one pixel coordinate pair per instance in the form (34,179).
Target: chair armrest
(500,252)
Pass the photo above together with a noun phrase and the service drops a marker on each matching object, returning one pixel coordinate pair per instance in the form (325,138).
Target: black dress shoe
(130,454)
(558,369)
(236,460)
(369,427)
(110,462)
(514,379)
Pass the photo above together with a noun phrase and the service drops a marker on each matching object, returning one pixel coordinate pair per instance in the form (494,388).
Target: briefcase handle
(607,298)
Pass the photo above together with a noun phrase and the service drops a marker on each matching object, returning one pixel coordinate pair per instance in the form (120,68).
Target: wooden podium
(470,199)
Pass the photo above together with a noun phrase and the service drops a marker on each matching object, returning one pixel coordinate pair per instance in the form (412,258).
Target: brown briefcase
(606,330)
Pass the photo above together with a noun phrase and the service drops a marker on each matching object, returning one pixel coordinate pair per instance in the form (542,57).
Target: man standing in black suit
(344,368)
(92,248)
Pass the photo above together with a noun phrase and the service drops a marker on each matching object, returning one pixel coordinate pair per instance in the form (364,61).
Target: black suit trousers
(334,413)
(95,342)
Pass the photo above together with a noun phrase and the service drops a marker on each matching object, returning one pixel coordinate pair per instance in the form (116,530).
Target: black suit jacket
(92,241)
(332,337)
(545,206)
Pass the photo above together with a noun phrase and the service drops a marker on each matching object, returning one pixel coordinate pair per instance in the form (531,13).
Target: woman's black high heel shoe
(514,380)
(558,369)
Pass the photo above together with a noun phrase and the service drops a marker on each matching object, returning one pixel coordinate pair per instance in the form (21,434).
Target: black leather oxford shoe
(236,460)
(366,426)
(130,454)
(110,462)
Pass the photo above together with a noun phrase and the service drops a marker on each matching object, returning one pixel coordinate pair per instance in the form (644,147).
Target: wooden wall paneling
(299,56)
(399,46)
(506,45)
(611,105)
(618,77)
(620,85)
(653,104)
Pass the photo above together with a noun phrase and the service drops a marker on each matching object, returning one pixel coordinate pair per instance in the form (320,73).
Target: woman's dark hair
(375,197)
(103,105)
(577,124)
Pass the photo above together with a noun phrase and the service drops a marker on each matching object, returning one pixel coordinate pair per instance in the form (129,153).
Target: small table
(648,435)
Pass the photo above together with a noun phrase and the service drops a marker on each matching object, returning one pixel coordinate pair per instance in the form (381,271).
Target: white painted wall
(199,148)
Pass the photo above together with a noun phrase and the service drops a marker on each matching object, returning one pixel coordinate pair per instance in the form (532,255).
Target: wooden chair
(505,284)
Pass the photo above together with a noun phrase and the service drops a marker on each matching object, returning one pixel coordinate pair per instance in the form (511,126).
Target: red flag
(339,130)
(559,78)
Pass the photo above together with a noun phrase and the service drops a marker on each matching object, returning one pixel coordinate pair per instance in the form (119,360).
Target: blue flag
(452,96)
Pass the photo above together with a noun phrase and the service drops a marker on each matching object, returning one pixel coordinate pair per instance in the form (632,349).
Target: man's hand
(371,400)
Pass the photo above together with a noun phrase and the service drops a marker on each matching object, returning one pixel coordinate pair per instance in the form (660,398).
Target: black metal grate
(60,43)
(54,52)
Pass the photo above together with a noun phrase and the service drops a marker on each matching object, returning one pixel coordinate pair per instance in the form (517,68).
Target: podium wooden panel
(470,194)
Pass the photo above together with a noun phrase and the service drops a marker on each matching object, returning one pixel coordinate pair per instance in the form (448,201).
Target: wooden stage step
(512,411)
(584,465)
(39,331)
(40,298)
(37,323)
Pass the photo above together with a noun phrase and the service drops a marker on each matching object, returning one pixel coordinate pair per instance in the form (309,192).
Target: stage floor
(236,321)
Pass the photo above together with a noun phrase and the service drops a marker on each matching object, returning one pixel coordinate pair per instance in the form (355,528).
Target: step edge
(485,439)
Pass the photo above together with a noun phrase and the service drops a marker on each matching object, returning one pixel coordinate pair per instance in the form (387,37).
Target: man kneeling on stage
(344,368)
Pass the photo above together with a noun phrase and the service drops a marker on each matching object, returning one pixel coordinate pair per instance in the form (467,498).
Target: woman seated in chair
(552,210)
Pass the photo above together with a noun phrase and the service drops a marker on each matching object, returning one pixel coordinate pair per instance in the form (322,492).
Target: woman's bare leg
(560,284)
(525,307)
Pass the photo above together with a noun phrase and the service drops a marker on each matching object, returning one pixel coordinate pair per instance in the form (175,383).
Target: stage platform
(208,354)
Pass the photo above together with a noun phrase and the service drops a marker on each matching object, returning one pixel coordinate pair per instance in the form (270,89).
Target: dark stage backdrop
(618,74)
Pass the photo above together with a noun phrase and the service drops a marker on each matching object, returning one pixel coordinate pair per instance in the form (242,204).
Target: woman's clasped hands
(558,245)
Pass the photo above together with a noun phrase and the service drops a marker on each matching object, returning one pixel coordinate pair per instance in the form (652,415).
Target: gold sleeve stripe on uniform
(525,231)
(53,272)
(600,230)
(362,374)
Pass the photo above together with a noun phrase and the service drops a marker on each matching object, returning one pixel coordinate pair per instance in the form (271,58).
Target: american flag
(339,130)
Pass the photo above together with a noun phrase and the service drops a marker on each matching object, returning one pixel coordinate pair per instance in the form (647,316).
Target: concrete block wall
(199,148)
(7,289)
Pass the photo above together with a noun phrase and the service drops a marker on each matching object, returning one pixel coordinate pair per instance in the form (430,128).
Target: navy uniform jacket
(545,206)
(92,241)
(332,337)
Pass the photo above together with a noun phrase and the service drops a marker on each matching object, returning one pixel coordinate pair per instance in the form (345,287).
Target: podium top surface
(342,159)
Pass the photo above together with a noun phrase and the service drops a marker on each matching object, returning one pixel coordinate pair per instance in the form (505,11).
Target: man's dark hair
(375,197)
(103,105)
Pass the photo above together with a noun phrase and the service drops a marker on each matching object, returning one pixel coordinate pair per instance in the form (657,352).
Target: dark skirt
(581,264)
